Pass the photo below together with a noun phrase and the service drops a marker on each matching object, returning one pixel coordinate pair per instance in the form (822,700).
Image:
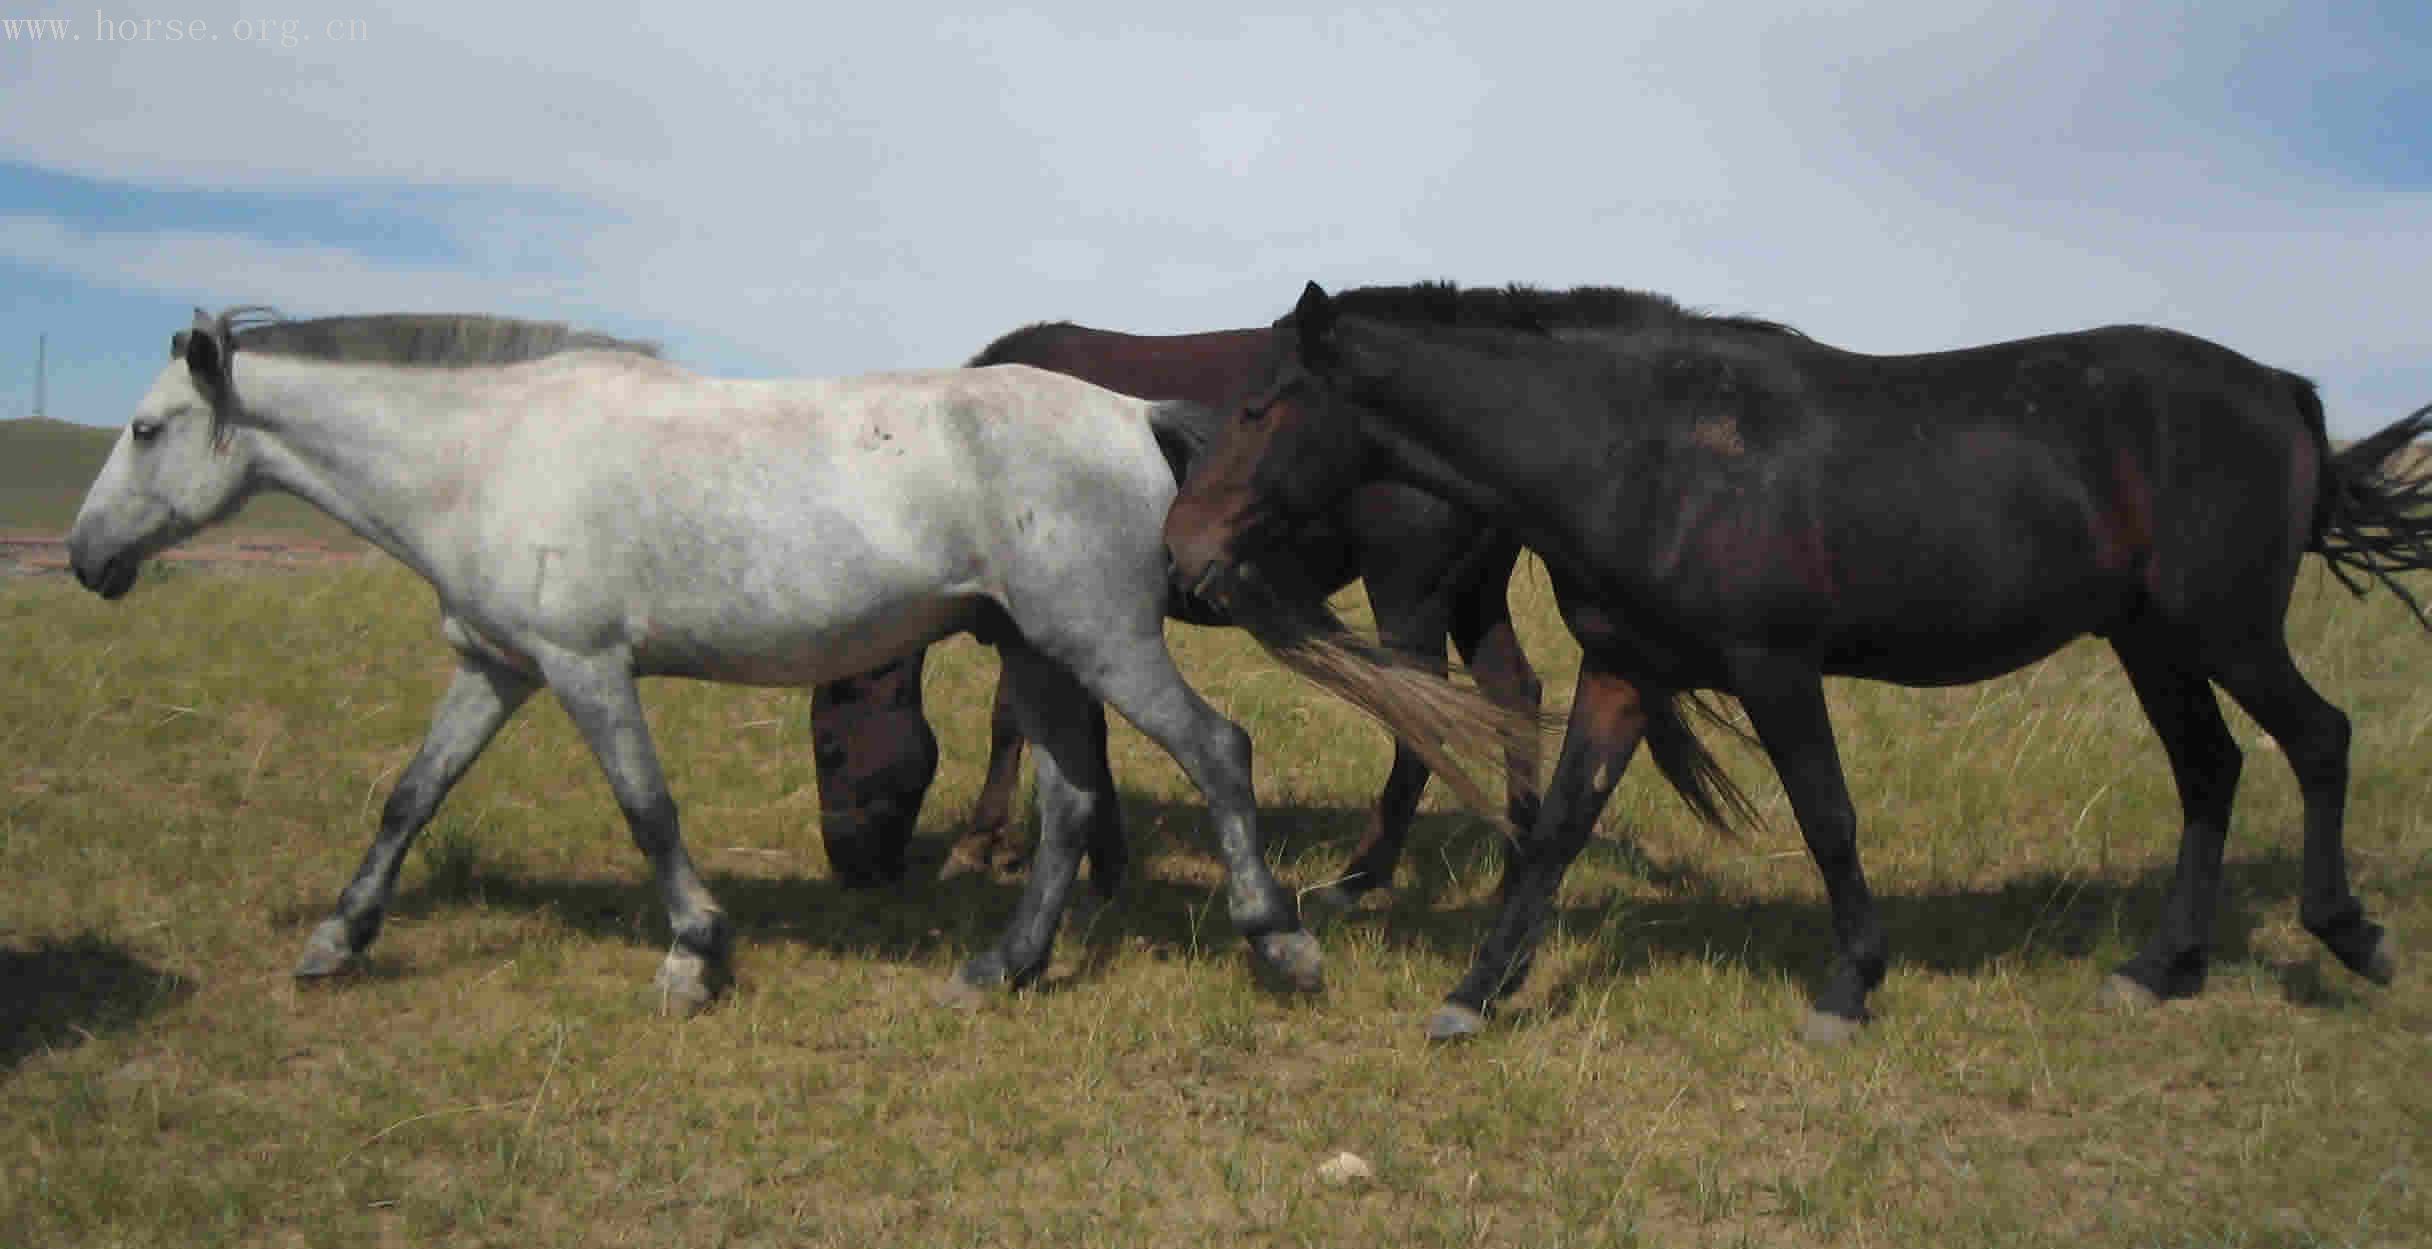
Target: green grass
(45,466)
(189,775)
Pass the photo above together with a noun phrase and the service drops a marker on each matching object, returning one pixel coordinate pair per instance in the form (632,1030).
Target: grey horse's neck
(382,458)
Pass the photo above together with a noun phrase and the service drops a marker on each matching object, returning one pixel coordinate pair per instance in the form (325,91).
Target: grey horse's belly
(790,653)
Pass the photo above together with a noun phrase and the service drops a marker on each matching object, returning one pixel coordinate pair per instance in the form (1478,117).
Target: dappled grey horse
(591,516)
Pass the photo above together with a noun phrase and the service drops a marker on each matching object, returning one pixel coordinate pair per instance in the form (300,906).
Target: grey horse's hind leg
(1074,786)
(599,695)
(1136,677)
(477,702)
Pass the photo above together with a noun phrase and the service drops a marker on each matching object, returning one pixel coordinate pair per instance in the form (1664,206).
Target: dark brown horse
(1432,572)
(1729,505)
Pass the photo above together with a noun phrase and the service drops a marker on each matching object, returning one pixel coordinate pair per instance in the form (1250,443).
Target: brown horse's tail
(2373,518)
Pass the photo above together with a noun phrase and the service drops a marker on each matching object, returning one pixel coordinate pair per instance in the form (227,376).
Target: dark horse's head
(1289,449)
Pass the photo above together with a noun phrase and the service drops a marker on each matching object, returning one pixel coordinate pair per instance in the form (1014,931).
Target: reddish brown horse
(1433,571)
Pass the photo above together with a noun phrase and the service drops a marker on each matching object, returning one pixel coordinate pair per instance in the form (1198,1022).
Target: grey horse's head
(175,469)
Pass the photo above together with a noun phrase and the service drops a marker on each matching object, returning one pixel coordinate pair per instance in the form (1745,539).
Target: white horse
(590,516)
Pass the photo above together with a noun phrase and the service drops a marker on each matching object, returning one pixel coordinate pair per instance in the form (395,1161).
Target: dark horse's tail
(2373,516)
(1693,771)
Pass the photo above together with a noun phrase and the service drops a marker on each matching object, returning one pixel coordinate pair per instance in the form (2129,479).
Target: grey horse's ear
(177,345)
(1314,317)
(207,348)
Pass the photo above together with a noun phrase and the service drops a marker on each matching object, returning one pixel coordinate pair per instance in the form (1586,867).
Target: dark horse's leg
(1482,629)
(992,843)
(2314,735)
(876,757)
(1606,724)
(1412,620)
(2205,761)
(1785,702)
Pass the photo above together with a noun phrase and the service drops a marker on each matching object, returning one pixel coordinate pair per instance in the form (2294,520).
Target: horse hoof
(1289,960)
(2125,995)
(1824,1029)
(1455,1022)
(1327,902)
(958,994)
(325,954)
(2382,967)
(686,984)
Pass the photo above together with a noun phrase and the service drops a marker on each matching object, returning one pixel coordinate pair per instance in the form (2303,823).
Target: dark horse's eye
(145,431)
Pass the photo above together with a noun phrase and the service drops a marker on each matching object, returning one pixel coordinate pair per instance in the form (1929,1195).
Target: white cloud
(823,192)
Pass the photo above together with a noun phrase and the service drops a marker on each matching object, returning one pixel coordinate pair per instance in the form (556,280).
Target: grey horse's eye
(145,431)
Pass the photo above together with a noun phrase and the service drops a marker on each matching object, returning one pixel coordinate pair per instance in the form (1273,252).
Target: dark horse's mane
(1512,307)
(1007,348)
(413,338)
(1518,307)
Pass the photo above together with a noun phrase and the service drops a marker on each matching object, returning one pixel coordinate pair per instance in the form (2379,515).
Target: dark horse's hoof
(2124,994)
(1823,1029)
(2381,967)
(1455,1022)
(1327,902)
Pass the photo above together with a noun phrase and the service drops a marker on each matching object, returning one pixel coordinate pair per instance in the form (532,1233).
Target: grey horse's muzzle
(110,578)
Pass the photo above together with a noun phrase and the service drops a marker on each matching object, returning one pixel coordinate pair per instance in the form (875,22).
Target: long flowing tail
(1693,771)
(2374,518)
(1447,724)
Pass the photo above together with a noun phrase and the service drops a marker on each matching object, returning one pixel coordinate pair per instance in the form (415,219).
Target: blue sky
(821,191)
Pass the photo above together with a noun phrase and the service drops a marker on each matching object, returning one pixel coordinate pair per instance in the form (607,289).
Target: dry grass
(189,775)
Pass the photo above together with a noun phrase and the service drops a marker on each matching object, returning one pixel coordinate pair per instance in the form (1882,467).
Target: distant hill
(46,465)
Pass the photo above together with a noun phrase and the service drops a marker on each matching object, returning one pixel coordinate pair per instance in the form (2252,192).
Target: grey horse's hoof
(687,984)
(958,994)
(1824,1029)
(2123,994)
(2382,968)
(1289,961)
(1455,1022)
(1327,902)
(326,953)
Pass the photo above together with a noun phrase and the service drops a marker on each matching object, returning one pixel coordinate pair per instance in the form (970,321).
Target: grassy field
(190,775)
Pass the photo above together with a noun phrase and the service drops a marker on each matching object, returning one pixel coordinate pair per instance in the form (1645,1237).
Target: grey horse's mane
(416,338)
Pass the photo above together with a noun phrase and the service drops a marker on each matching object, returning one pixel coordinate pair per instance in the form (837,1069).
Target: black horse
(1729,505)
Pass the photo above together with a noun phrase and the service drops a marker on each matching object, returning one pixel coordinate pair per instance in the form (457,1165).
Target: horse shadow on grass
(60,994)
(1173,906)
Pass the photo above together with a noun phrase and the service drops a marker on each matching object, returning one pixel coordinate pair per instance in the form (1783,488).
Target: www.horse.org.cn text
(281,32)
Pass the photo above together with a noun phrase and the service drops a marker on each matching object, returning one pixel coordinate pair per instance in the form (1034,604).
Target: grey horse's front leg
(479,700)
(599,695)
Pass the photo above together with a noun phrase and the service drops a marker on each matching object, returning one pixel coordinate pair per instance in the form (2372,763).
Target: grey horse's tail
(1183,429)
